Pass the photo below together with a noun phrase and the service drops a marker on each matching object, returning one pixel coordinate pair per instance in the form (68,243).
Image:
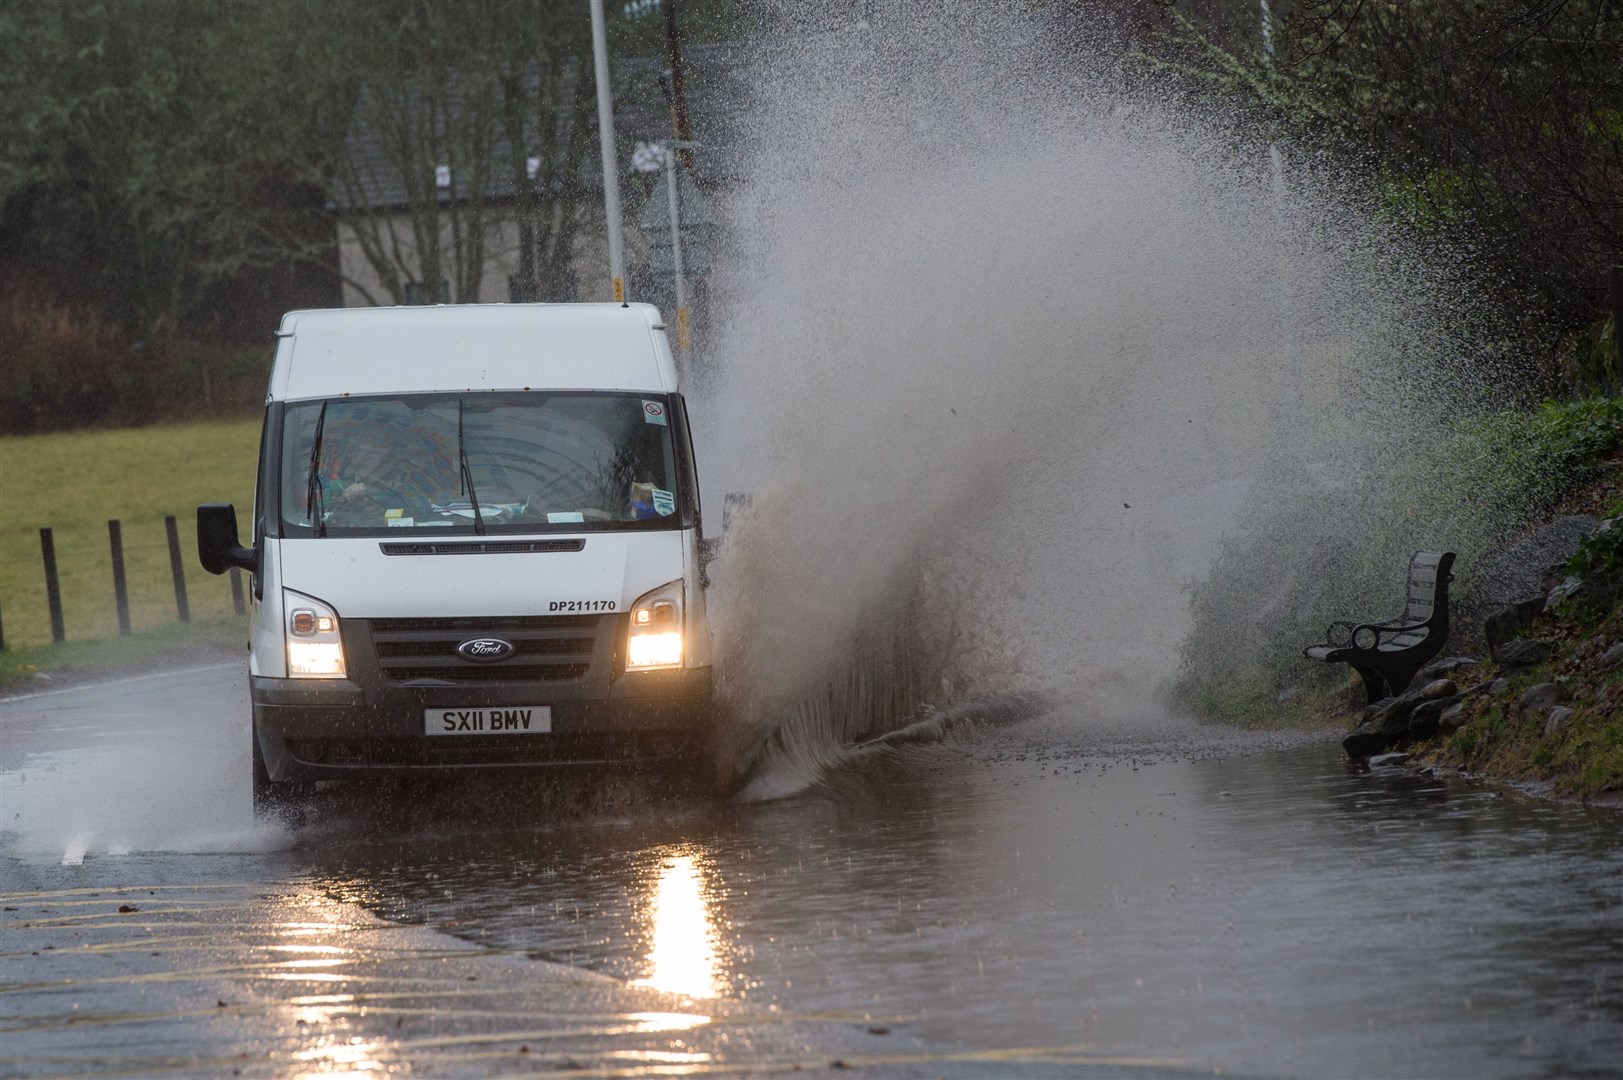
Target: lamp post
(683,339)
(605,138)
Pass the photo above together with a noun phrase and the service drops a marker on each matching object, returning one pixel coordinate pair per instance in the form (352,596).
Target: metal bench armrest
(1385,629)
(1345,639)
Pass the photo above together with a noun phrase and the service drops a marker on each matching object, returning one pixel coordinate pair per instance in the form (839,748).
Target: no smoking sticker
(653,412)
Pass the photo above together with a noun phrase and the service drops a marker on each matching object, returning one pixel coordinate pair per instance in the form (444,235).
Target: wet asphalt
(1074,895)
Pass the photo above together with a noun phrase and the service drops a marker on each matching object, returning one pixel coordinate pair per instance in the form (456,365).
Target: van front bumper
(311,729)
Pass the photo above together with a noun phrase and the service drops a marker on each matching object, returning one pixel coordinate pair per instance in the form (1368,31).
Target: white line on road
(4,701)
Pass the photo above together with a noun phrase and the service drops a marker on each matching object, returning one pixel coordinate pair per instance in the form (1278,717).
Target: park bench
(1388,655)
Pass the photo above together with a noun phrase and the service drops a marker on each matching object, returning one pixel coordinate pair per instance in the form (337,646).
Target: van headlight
(314,648)
(655,639)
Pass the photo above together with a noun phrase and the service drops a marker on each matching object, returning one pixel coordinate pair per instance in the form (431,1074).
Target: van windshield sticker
(401,522)
(569,517)
(664,502)
(653,412)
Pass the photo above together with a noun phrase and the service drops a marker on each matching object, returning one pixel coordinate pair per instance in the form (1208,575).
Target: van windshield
(496,462)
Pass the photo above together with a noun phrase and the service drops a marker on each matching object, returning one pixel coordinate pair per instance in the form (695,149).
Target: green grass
(74,483)
(1584,759)
(118,654)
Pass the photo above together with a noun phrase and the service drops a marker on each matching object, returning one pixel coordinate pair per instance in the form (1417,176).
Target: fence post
(121,591)
(176,569)
(236,592)
(53,587)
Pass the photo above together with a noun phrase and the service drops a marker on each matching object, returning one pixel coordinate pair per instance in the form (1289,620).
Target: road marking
(4,701)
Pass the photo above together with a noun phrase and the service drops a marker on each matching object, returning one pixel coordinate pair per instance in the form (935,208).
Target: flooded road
(1063,896)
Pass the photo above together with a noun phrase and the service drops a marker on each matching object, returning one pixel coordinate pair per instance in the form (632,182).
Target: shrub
(67,367)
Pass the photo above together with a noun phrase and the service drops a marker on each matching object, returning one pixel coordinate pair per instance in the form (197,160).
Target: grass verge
(200,641)
(1583,758)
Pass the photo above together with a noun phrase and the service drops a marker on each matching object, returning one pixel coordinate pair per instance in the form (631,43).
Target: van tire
(284,798)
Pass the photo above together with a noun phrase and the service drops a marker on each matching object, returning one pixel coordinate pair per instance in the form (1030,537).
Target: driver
(368,478)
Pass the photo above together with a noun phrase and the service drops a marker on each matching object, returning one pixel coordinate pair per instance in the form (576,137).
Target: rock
(1559,594)
(1540,697)
(1451,719)
(1386,723)
(1438,668)
(1600,592)
(1499,687)
(1395,758)
(1375,708)
(1423,721)
(1556,719)
(1439,688)
(1540,694)
(1510,622)
(1612,657)
(1524,653)
(1539,557)
(1286,694)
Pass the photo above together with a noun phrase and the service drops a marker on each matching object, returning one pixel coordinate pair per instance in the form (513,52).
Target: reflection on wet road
(1272,912)
(1046,894)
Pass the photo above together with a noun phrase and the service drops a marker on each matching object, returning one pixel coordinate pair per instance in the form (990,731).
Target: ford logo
(486,650)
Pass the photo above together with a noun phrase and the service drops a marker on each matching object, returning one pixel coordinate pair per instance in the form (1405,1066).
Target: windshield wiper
(467,472)
(313,495)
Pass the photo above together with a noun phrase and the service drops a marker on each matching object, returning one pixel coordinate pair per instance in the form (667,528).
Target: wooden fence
(118,581)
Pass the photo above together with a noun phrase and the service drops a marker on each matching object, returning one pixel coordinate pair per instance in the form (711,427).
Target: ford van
(475,544)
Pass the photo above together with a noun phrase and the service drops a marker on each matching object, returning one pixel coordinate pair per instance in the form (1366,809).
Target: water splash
(1006,348)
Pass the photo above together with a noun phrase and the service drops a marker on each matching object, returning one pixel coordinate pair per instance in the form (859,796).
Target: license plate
(508,720)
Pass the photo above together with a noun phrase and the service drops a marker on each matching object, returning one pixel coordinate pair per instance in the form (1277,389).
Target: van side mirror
(217,546)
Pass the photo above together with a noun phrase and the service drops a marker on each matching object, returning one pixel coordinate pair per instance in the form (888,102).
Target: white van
(476,545)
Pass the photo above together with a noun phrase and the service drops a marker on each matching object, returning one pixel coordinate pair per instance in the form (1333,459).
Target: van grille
(483,547)
(546,648)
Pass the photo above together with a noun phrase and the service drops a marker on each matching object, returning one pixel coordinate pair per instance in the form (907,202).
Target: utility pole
(684,339)
(679,95)
(605,137)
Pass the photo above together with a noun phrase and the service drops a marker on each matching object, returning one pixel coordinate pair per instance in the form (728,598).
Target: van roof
(331,352)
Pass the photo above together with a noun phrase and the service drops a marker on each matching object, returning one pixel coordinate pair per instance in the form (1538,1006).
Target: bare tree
(460,118)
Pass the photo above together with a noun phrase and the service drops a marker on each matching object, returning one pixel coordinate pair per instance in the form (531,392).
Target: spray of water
(1006,348)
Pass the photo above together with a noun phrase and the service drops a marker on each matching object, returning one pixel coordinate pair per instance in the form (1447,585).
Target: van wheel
(276,798)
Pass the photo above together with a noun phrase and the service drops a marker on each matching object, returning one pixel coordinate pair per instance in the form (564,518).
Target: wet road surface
(1058,897)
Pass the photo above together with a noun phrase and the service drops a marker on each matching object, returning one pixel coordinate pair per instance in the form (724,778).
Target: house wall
(363,286)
